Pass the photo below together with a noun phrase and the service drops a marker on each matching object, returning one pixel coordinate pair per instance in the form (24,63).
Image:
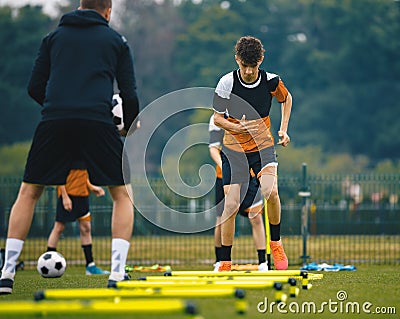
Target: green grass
(378,285)
(195,250)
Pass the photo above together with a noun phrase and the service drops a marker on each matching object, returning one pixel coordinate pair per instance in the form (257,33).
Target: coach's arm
(40,74)
(126,80)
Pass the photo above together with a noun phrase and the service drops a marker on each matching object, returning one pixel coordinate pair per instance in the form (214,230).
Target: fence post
(3,227)
(305,194)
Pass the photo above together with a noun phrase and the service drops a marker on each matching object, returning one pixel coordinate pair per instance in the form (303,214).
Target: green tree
(151,27)
(338,58)
(347,84)
(12,158)
(204,51)
(20,38)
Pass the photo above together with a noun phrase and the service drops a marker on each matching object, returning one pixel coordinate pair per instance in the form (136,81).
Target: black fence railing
(349,219)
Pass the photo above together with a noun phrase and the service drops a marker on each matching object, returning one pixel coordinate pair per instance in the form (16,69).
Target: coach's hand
(123,132)
(135,126)
(284,138)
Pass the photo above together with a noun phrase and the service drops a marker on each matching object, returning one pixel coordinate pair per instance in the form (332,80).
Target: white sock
(119,253)
(13,250)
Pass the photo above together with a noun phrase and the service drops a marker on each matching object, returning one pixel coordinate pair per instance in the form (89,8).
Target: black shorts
(236,165)
(58,143)
(80,207)
(250,196)
(219,196)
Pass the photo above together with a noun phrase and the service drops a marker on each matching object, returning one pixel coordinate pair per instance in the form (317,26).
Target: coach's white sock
(13,250)
(119,252)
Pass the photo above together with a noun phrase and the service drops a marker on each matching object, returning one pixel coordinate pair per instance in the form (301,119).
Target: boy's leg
(85,231)
(251,208)
(85,228)
(86,240)
(232,203)
(19,224)
(269,189)
(217,243)
(257,226)
(219,208)
(258,230)
(217,235)
(54,236)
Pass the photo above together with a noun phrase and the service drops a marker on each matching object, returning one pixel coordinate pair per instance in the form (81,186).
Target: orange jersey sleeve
(281,92)
(218,171)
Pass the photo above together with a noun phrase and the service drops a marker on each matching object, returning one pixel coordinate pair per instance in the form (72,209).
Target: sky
(49,7)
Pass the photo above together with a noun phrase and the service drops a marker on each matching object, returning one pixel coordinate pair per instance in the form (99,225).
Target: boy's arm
(66,200)
(215,155)
(243,126)
(286,111)
(97,190)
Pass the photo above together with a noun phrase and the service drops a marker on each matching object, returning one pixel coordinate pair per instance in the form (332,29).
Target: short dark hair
(249,50)
(98,5)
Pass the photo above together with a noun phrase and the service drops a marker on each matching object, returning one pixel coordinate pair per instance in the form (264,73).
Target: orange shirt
(76,184)
(244,142)
(218,171)
(234,98)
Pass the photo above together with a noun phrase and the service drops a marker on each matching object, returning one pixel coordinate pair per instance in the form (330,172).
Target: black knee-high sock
(217,254)
(87,250)
(275,231)
(226,253)
(261,256)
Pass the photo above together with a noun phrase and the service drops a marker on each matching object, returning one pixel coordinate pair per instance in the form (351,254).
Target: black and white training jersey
(236,98)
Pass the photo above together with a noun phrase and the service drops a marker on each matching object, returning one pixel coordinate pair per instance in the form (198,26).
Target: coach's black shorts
(236,165)
(57,143)
(80,207)
(250,195)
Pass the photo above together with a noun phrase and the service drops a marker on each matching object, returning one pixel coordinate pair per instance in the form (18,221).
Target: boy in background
(72,205)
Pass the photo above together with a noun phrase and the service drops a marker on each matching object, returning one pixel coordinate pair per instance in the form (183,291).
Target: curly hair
(249,50)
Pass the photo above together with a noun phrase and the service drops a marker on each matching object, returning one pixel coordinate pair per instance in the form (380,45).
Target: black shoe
(113,283)
(20,266)
(2,258)
(6,286)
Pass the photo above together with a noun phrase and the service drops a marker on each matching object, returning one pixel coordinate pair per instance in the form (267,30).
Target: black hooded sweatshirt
(74,72)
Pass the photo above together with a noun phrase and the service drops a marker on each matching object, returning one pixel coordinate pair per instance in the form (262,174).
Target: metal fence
(325,218)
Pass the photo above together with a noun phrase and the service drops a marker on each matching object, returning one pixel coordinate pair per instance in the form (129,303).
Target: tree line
(339,59)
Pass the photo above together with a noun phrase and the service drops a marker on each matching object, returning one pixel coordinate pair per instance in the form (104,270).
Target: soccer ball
(51,264)
(118,117)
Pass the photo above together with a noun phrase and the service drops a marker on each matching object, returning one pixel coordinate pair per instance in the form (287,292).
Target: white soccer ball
(51,264)
(117,111)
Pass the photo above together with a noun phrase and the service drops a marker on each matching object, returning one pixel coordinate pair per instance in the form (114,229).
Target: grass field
(377,285)
(196,250)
